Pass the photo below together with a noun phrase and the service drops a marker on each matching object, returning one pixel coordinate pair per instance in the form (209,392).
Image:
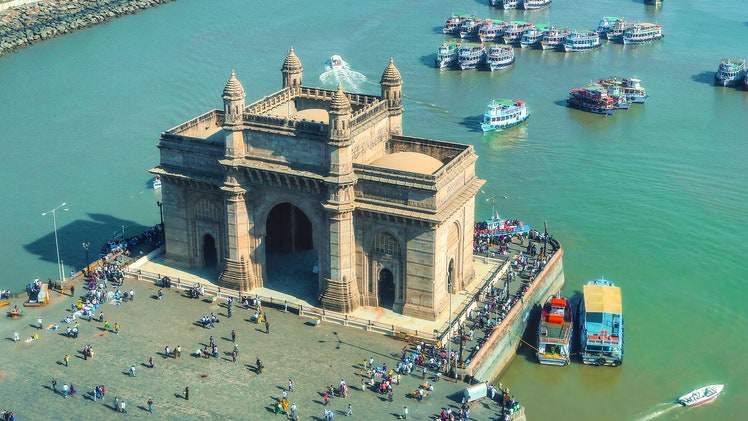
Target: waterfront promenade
(313,357)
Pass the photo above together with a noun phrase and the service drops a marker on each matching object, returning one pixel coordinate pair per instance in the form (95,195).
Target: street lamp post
(449,328)
(161,212)
(53,211)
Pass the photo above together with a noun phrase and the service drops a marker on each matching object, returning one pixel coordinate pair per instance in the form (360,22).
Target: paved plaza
(219,388)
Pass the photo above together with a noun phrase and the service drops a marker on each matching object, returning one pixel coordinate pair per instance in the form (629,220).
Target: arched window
(385,243)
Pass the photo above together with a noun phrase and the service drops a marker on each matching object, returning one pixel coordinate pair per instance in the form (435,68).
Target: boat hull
(492,128)
(577,49)
(559,362)
(589,108)
(500,66)
(628,41)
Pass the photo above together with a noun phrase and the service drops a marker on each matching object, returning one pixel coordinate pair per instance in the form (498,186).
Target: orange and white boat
(554,332)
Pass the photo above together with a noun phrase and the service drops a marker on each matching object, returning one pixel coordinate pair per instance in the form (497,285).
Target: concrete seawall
(501,347)
(32,22)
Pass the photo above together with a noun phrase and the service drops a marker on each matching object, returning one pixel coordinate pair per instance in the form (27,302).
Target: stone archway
(386,289)
(210,251)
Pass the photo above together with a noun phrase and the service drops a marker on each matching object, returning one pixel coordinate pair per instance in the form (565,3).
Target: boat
(594,99)
(615,33)
(469,28)
(532,36)
(452,25)
(470,56)
(702,395)
(606,24)
(504,113)
(581,41)
(514,30)
(505,4)
(535,4)
(499,57)
(491,30)
(336,62)
(630,87)
(601,324)
(553,38)
(498,226)
(641,33)
(730,71)
(616,92)
(156,183)
(554,332)
(446,56)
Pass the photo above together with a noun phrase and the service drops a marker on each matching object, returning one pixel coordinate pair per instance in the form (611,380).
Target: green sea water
(654,198)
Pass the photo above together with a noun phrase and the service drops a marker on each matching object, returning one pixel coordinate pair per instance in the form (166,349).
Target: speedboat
(702,395)
(156,183)
(336,62)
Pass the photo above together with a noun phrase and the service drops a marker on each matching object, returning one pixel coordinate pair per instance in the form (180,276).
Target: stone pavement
(313,356)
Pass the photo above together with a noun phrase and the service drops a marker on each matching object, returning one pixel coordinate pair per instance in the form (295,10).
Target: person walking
(132,371)
(186,393)
(54,385)
(150,405)
(233,335)
(72,291)
(267,326)
(405,412)
(349,410)
(178,351)
(66,358)
(116,328)
(151,364)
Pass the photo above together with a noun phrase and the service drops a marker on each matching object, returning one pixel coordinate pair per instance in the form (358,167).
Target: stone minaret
(392,84)
(340,291)
(233,110)
(292,70)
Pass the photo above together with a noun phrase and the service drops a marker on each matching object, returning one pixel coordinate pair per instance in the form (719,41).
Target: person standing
(72,291)
(54,385)
(132,371)
(116,328)
(186,393)
(405,412)
(233,335)
(178,351)
(150,405)
(150,363)
(349,410)
(66,358)
(267,326)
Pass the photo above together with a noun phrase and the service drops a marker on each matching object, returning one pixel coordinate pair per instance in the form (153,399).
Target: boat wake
(661,410)
(342,74)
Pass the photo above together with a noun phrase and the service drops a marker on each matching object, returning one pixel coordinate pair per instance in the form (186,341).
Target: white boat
(499,57)
(641,33)
(336,62)
(504,113)
(702,395)
(156,183)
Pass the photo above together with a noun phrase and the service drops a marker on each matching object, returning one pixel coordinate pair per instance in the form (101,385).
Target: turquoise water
(654,197)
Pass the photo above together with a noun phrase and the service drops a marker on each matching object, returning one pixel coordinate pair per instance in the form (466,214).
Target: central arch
(386,288)
(291,258)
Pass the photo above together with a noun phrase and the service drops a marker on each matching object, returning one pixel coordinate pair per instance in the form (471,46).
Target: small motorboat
(336,62)
(157,182)
(702,395)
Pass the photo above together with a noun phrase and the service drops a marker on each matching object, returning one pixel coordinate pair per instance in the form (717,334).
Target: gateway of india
(323,181)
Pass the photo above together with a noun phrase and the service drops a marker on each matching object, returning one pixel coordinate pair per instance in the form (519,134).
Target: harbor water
(654,198)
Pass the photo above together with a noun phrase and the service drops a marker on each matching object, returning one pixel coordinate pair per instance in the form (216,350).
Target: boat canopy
(602,299)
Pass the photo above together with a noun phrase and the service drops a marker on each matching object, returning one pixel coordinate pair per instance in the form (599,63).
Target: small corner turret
(292,71)
(233,111)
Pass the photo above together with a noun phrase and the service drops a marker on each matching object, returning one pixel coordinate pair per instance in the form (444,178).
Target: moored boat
(470,56)
(498,226)
(731,71)
(615,33)
(156,183)
(702,395)
(336,62)
(581,41)
(601,324)
(505,4)
(452,24)
(514,30)
(504,113)
(491,30)
(469,28)
(446,56)
(606,23)
(532,36)
(554,332)
(641,33)
(594,99)
(499,57)
(535,4)
(554,38)
(630,87)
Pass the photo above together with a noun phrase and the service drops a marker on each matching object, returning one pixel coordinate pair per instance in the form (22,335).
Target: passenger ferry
(554,332)
(452,25)
(505,4)
(498,226)
(532,37)
(601,323)
(554,38)
(594,99)
(500,57)
(631,88)
(503,113)
(470,56)
(535,4)
(641,33)
(514,30)
(730,71)
(581,41)
(615,33)
(491,30)
(336,62)
(446,56)
(469,28)
(606,24)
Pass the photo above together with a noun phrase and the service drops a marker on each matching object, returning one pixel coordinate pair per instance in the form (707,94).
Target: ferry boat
(554,38)
(615,33)
(616,92)
(535,4)
(730,71)
(336,62)
(641,33)
(504,113)
(498,226)
(491,30)
(470,56)
(554,332)
(581,41)
(156,183)
(446,56)
(500,57)
(601,322)
(505,4)
(452,25)
(606,24)
(630,87)
(514,30)
(594,99)
(469,28)
(702,395)
(532,37)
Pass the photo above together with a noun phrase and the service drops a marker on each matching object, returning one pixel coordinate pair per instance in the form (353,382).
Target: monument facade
(386,218)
